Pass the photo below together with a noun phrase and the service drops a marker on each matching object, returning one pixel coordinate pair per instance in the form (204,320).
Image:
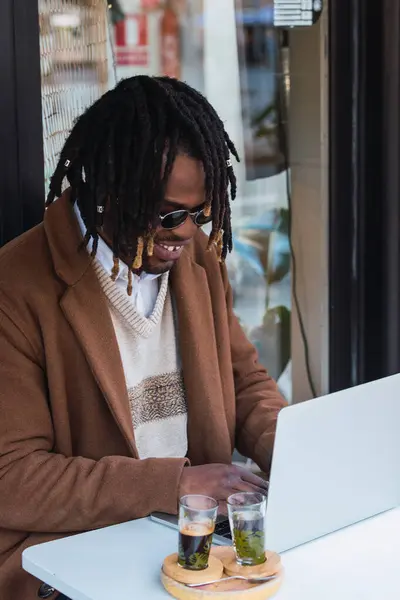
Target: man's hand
(220,481)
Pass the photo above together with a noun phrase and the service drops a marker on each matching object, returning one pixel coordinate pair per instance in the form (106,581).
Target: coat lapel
(86,310)
(208,433)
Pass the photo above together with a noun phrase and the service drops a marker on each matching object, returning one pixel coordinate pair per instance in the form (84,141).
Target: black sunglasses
(177,218)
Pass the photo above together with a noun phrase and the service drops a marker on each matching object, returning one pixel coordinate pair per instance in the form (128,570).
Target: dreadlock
(117,149)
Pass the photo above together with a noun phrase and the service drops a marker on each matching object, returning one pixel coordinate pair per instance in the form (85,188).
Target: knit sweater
(150,358)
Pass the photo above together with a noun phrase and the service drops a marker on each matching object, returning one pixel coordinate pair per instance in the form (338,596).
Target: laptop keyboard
(223,529)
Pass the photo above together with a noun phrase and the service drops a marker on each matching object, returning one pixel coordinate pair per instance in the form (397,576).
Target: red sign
(131,41)
(170,49)
(150,4)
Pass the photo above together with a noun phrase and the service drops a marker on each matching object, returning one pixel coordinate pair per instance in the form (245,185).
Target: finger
(244,486)
(254,479)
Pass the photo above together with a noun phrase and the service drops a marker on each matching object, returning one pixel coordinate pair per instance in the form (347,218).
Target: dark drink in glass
(195,541)
(197,516)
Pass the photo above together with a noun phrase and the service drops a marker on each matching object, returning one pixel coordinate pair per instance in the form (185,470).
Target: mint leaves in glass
(247,511)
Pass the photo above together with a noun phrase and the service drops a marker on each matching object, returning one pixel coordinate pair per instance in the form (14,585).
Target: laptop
(336,462)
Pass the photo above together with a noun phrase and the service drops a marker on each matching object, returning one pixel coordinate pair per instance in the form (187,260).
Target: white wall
(308,121)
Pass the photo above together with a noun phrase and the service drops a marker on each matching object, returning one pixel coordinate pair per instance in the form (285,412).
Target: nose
(187,230)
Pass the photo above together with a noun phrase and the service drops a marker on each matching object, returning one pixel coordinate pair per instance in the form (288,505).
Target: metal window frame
(391,183)
(364,265)
(342,214)
(21,137)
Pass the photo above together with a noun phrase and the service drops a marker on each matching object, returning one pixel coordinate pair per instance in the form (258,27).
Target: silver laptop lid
(336,462)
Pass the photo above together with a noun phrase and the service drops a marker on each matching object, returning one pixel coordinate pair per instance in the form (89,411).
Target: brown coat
(68,461)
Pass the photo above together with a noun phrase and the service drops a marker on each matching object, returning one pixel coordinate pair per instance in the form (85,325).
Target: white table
(361,562)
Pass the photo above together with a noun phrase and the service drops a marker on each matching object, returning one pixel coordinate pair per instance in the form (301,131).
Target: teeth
(171,248)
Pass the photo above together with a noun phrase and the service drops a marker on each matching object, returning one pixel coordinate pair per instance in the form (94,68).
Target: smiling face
(185,190)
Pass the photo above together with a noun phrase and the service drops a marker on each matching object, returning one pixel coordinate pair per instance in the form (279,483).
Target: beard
(154,266)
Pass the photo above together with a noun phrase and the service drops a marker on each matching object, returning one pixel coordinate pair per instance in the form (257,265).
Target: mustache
(170,238)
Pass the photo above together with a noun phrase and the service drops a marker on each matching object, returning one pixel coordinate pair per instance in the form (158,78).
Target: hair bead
(150,245)
(137,263)
(115,269)
(129,289)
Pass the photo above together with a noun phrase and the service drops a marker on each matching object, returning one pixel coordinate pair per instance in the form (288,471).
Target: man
(126,381)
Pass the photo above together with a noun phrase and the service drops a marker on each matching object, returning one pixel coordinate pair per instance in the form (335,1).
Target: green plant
(265,122)
(280,316)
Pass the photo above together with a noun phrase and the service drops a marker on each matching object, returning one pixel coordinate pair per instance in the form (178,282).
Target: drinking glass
(197,516)
(247,512)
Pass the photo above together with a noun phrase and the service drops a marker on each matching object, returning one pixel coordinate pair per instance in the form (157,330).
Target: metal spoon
(248,579)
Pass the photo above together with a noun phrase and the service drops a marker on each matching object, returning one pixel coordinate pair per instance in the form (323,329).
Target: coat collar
(85,308)
(64,236)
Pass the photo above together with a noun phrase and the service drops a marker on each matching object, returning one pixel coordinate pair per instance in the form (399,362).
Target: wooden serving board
(235,589)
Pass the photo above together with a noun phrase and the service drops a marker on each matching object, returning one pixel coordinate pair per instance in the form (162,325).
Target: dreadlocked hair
(120,154)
